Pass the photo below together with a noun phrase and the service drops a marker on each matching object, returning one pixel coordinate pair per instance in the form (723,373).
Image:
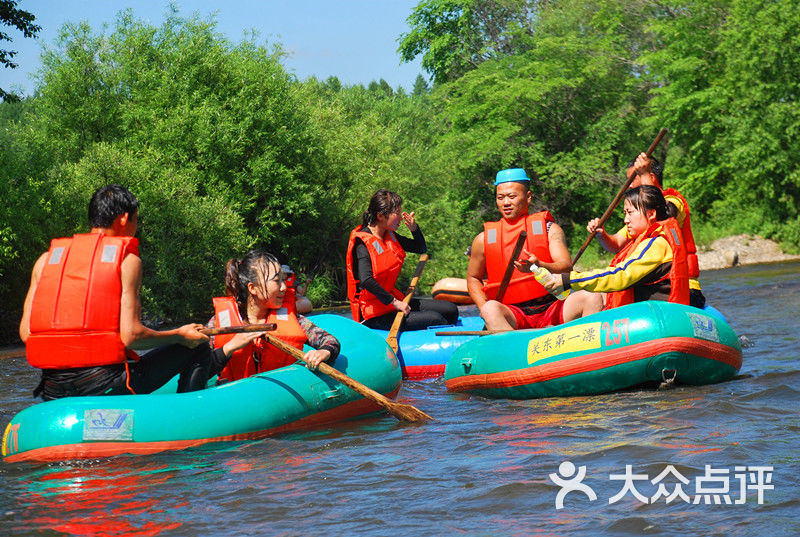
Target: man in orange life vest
(526,304)
(82,315)
(649,171)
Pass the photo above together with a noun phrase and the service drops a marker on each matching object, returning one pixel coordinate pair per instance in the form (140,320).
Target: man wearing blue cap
(525,304)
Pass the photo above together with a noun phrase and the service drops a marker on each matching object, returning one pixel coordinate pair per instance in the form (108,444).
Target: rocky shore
(741,250)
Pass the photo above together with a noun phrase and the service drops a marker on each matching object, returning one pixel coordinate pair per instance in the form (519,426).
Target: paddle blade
(407,412)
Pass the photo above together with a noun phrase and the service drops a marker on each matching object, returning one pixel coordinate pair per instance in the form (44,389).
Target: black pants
(425,312)
(696,298)
(156,367)
(150,372)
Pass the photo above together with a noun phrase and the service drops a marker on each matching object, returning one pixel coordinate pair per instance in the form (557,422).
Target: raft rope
(668,377)
(128,377)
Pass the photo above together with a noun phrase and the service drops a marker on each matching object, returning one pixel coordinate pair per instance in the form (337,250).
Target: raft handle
(467,363)
(668,377)
(336,392)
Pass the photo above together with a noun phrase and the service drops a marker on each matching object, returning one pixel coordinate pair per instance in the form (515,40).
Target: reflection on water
(480,469)
(99,500)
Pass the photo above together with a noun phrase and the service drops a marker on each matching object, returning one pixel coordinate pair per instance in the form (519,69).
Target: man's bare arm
(562,262)
(476,270)
(25,323)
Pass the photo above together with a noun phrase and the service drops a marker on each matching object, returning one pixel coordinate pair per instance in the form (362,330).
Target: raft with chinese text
(612,350)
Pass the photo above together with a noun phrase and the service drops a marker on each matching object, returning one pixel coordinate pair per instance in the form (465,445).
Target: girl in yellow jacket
(651,267)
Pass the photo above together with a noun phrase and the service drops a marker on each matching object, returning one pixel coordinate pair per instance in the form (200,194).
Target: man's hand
(641,166)
(525,262)
(191,335)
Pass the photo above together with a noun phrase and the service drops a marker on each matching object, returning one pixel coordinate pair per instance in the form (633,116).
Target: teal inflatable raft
(612,350)
(277,401)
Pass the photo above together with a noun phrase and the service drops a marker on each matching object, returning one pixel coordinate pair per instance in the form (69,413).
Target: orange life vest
(258,356)
(74,320)
(678,274)
(688,237)
(387,260)
(499,239)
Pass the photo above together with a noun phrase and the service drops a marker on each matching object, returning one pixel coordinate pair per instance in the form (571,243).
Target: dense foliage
(226,150)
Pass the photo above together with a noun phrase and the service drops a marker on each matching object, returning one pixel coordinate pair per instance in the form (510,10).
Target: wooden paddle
(398,410)
(617,199)
(239,329)
(391,339)
(501,291)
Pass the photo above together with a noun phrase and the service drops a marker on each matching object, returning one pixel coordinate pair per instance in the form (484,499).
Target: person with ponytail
(646,170)
(257,293)
(375,254)
(652,266)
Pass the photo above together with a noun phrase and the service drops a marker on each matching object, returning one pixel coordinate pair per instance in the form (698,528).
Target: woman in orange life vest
(651,267)
(257,293)
(375,255)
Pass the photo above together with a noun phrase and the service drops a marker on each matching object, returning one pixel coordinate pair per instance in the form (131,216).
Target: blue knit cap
(511,174)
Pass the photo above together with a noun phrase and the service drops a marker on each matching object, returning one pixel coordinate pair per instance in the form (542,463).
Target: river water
(482,468)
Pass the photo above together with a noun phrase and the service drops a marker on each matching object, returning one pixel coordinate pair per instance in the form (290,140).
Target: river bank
(741,250)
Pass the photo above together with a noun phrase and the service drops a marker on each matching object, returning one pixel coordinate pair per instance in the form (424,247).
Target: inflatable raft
(277,401)
(612,350)
(452,290)
(423,354)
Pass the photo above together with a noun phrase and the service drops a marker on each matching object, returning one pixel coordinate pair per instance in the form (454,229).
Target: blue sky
(355,40)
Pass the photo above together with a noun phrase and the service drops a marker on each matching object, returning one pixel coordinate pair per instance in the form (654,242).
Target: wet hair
(109,202)
(382,202)
(647,197)
(255,267)
(656,168)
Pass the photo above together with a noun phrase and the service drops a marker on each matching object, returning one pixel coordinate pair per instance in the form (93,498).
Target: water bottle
(542,275)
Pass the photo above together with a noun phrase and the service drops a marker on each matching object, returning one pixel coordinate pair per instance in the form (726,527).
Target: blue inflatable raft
(423,354)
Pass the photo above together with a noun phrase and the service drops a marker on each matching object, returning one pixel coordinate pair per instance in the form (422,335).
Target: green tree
(420,87)
(213,137)
(185,237)
(11,15)
(568,109)
(455,36)
(728,89)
